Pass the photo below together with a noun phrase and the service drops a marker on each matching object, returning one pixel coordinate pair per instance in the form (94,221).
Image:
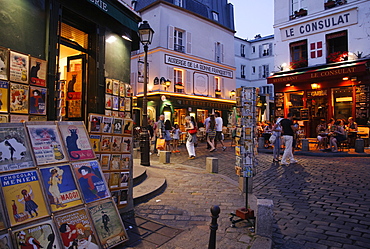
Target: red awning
(348,69)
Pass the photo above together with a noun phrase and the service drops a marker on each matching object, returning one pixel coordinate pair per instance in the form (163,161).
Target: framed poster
(18,67)
(108,223)
(125,161)
(115,103)
(23,197)
(75,230)
(4,62)
(4,118)
(6,241)
(128,90)
(46,143)
(122,89)
(18,98)
(128,126)
(121,104)
(117,125)
(126,144)
(116,143)
(95,121)
(18,118)
(61,188)
(95,142)
(74,94)
(107,124)
(115,90)
(43,233)
(4,96)
(15,148)
(91,181)
(127,104)
(108,101)
(38,100)
(108,86)
(76,140)
(38,72)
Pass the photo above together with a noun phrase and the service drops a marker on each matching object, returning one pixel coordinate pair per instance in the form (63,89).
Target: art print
(108,112)
(18,118)
(4,96)
(125,161)
(95,142)
(107,124)
(5,241)
(116,143)
(95,122)
(18,68)
(109,86)
(105,161)
(108,223)
(40,235)
(18,98)
(75,230)
(4,118)
(117,125)
(115,162)
(121,89)
(38,72)
(114,180)
(76,140)
(4,59)
(23,197)
(128,90)
(115,89)
(115,103)
(128,126)
(61,188)
(46,143)
(108,101)
(91,181)
(125,177)
(122,104)
(128,104)
(38,100)
(126,144)
(123,197)
(105,144)
(74,94)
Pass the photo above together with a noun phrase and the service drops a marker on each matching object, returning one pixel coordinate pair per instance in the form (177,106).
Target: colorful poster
(38,100)
(121,89)
(105,161)
(125,177)
(18,67)
(75,230)
(40,235)
(128,126)
(128,90)
(107,124)
(117,125)
(46,143)
(116,143)
(95,142)
(18,98)
(14,147)
(127,144)
(108,223)
(23,197)
(115,87)
(115,163)
(4,100)
(38,72)
(4,56)
(95,121)
(91,181)
(127,104)
(108,86)
(76,140)
(61,188)
(108,101)
(105,144)
(5,241)
(115,103)
(125,161)
(74,94)
(121,104)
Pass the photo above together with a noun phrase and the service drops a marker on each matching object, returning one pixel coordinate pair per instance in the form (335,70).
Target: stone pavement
(320,202)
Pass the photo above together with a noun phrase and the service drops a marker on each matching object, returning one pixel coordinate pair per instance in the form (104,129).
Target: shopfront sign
(323,24)
(196,65)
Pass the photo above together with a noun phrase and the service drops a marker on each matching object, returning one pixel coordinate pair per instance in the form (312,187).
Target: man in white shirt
(219,125)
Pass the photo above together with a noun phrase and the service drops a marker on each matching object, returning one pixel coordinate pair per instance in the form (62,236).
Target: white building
(191,48)
(322,48)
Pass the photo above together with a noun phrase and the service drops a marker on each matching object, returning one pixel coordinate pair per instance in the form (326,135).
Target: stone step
(152,185)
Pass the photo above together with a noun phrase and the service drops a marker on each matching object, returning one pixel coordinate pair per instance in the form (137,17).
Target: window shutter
(267,71)
(188,88)
(216,51)
(260,72)
(188,42)
(211,87)
(222,53)
(260,50)
(170,37)
(270,49)
(223,88)
(170,75)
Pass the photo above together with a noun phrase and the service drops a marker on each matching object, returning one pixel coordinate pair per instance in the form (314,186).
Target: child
(175,138)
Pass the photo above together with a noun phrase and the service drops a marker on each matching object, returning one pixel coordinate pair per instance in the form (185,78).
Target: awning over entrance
(323,73)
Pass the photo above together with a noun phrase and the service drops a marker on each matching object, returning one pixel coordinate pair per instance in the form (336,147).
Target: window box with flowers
(337,57)
(330,4)
(179,85)
(300,13)
(299,64)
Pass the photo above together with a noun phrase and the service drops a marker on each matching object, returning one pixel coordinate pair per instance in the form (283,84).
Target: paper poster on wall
(19,98)
(38,100)
(18,68)
(74,94)
(108,86)
(4,59)
(38,72)
(4,96)
(115,89)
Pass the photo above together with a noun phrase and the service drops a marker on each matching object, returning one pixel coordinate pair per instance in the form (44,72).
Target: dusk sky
(253,17)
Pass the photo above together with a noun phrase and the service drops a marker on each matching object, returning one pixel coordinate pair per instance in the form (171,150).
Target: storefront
(339,91)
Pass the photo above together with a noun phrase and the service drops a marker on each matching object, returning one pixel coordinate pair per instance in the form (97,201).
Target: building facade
(190,61)
(254,62)
(323,53)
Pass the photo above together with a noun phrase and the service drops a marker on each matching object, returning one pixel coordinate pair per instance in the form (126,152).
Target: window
(337,47)
(253,69)
(178,80)
(253,49)
(264,71)
(265,49)
(218,51)
(242,71)
(298,54)
(178,2)
(299,8)
(215,16)
(242,50)
(178,38)
(217,87)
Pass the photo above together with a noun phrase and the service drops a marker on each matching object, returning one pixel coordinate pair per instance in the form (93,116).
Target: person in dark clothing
(288,133)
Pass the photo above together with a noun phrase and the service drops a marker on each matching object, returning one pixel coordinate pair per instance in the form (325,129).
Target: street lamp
(146,36)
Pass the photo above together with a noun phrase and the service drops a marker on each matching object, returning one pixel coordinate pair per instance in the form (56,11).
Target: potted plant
(337,56)
(298,64)
(301,12)
(329,4)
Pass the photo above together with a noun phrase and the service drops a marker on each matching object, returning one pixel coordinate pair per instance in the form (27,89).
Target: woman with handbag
(276,132)
(190,128)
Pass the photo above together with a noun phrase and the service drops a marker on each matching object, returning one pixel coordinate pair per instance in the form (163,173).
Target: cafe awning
(323,73)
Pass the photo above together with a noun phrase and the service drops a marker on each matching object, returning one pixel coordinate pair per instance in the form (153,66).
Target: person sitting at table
(352,125)
(331,123)
(352,131)
(320,130)
(337,134)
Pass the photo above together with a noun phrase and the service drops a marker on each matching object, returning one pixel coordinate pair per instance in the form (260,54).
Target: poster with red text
(19,64)
(38,72)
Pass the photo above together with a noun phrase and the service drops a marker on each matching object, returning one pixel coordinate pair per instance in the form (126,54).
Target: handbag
(272,139)
(160,144)
(193,131)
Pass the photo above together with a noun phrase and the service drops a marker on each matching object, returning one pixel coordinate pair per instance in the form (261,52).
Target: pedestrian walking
(219,135)
(191,137)
(211,133)
(276,130)
(160,129)
(175,138)
(288,132)
(167,134)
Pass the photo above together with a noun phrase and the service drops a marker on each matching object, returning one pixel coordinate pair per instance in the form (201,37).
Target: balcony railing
(179,48)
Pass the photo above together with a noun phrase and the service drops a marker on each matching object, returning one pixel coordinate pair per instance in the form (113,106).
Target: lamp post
(146,36)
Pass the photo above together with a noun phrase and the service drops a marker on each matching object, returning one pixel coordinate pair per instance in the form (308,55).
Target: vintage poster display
(116,143)
(39,235)
(18,98)
(108,86)
(126,144)
(107,124)
(6,241)
(38,100)
(74,94)
(115,163)
(108,223)
(108,101)
(15,147)
(127,104)
(105,161)
(121,104)
(117,125)
(18,67)
(125,161)
(128,126)
(4,118)
(122,89)
(38,72)
(75,230)
(23,197)
(4,62)
(105,144)
(4,96)
(124,178)
(46,143)
(91,180)
(18,118)
(76,140)
(95,142)
(128,90)
(61,188)
(115,87)
(95,121)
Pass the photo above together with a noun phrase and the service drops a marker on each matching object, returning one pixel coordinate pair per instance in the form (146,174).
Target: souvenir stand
(245,145)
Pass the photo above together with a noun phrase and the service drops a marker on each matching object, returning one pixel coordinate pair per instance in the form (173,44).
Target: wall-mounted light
(111,39)
(282,67)
(345,78)
(315,86)
(232,93)
(167,84)
(288,84)
(127,37)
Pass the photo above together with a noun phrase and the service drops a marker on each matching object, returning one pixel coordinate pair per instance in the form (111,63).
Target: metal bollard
(215,211)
